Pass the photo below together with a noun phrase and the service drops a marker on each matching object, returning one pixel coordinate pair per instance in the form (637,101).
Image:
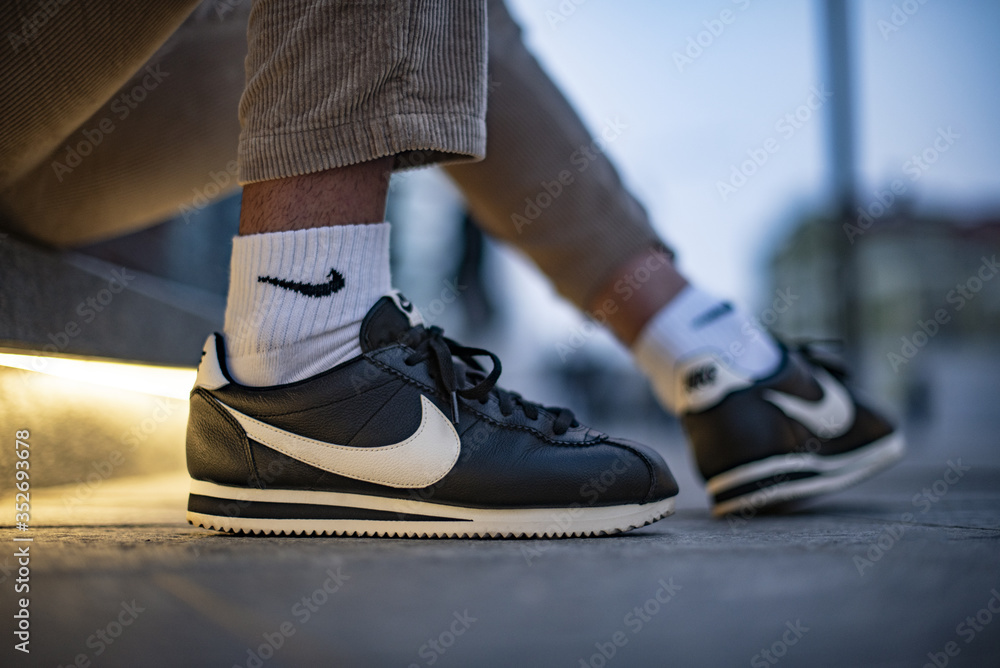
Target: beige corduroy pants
(113,115)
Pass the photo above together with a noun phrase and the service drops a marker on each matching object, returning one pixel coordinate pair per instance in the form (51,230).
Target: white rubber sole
(827,474)
(239,510)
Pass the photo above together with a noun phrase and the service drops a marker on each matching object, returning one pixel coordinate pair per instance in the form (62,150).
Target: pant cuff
(415,139)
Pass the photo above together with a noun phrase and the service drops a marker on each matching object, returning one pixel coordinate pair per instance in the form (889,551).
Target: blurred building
(926,302)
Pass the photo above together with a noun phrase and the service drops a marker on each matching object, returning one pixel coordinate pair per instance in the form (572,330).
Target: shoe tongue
(391,317)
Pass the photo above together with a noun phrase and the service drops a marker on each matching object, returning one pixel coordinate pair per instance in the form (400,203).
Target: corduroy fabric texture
(155,145)
(62,60)
(547,186)
(331,84)
(178,148)
(326,84)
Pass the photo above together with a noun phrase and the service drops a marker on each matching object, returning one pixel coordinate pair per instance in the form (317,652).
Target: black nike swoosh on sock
(335,284)
(713,313)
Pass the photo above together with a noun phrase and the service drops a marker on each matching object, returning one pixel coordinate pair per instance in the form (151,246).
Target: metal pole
(837,58)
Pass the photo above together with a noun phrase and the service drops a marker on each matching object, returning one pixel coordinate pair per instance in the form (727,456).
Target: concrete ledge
(70,303)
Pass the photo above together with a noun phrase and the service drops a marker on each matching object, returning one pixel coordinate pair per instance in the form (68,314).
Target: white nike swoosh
(420,460)
(829,417)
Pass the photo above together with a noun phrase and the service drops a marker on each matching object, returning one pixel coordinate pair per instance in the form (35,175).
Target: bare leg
(546,186)
(627,309)
(349,195)
(325,118)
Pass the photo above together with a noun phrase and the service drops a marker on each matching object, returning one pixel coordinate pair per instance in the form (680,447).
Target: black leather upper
(745,427)
(373,400)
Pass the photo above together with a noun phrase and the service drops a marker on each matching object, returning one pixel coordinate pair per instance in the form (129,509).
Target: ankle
(349,195)
(637,291)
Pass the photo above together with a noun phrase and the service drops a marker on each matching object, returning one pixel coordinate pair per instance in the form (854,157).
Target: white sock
(285,319)
(697,332)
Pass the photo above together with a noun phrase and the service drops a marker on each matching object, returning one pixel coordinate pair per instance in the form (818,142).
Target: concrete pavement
(881,575)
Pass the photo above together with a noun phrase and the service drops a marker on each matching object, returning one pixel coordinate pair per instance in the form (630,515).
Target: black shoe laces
(473,383)
(817,352)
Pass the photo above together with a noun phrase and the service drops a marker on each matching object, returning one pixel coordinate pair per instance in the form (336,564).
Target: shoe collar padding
(211,374)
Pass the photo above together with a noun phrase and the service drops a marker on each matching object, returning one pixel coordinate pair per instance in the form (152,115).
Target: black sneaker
(412,438)
(798,433)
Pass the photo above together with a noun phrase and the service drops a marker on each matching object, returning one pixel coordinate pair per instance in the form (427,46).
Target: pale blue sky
(686,129)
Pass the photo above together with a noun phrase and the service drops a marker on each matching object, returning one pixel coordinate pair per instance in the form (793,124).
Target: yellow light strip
(172,382)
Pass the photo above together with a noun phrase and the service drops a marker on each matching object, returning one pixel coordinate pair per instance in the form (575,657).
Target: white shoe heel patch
(407,307)
(704,380)
(210,376)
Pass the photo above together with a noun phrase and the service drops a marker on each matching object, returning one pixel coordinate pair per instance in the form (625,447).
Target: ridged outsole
(374,533)
(437,520)
(826,475)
